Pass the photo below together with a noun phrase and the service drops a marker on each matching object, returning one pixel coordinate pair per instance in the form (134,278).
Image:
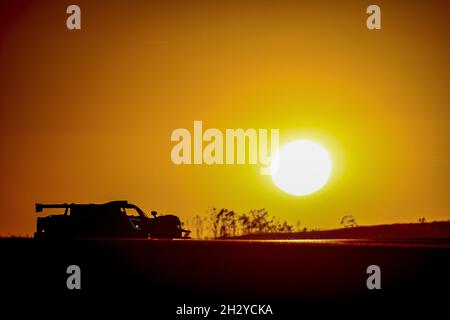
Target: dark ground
(424,230)
(157,276)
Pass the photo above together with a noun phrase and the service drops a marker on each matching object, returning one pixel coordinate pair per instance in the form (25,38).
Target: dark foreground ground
(156,276)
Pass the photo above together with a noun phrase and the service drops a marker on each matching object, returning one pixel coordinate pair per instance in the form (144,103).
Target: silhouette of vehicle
(111,219)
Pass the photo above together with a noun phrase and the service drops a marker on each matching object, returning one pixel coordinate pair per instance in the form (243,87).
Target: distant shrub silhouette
(198,226)
(348,222)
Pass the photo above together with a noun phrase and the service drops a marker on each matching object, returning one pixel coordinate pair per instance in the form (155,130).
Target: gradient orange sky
(86,116)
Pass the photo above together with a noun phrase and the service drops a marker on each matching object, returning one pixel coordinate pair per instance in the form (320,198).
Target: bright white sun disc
(301,167)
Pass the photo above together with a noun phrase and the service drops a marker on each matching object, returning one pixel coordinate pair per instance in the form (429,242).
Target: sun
(301,167)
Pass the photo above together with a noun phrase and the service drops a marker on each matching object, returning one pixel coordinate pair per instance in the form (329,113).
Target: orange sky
(86,116)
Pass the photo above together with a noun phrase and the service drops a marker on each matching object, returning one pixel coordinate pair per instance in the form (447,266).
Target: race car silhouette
(115,219)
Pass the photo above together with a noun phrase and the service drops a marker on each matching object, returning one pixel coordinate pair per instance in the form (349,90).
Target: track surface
(198,272)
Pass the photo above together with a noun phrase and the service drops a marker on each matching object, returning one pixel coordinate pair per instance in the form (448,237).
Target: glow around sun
(301,167)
